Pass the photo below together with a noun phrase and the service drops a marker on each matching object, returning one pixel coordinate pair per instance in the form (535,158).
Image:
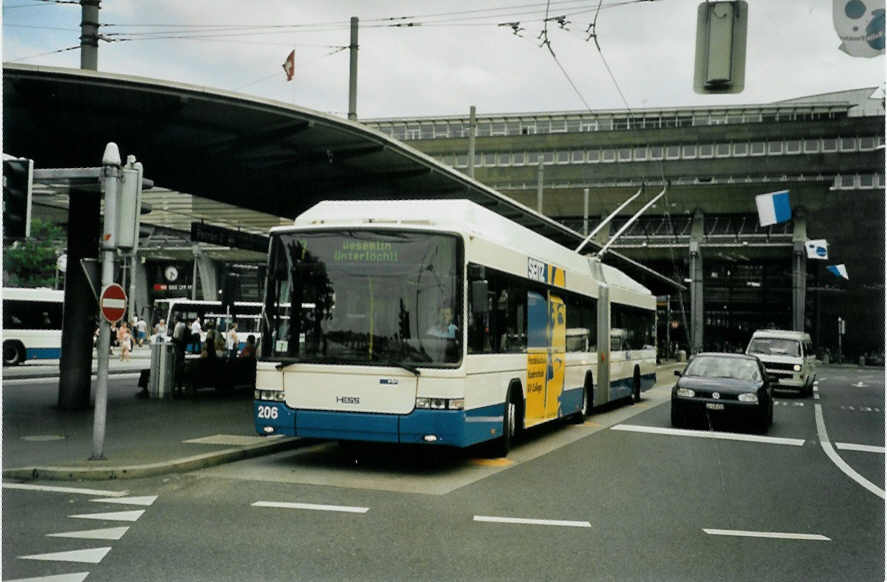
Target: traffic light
(17,177)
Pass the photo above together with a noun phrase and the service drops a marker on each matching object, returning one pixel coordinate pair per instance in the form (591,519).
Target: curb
(151,469)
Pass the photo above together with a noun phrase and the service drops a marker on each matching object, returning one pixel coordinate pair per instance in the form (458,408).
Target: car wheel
(13,353)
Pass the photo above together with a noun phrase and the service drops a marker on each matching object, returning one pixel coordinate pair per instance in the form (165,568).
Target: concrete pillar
(799,268)
(209,280)
(81,309)
(697,309)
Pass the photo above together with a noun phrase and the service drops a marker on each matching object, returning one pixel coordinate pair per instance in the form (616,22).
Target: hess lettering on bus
(347,399)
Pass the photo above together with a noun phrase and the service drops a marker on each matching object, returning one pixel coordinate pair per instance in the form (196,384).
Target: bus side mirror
(479,303)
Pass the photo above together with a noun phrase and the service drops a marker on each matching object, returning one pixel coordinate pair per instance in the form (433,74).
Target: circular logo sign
(171,273)
(112,302)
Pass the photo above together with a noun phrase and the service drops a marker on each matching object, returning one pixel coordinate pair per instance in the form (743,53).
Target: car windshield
(361,296)
(717,367)
(775,347)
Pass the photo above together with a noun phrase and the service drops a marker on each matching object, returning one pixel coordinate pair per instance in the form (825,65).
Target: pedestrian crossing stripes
(73,577)
(146,500)
(113,516)
(90,556)
(108,533)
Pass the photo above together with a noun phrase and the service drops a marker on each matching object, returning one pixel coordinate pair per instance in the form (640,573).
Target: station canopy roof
(272,159)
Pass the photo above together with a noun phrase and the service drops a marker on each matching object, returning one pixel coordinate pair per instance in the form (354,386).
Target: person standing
(195,335)
(232,342)
(125,338)
(179,339)
(141,331)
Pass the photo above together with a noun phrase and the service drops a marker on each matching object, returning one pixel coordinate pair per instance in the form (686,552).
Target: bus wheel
(636,387)
(585,410)
(502,445)
(13,353)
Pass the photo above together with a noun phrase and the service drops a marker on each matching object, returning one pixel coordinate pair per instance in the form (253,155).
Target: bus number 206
(267,412)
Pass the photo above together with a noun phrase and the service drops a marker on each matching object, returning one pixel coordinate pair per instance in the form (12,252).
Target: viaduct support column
(697,312)
(78,326)
(799,268)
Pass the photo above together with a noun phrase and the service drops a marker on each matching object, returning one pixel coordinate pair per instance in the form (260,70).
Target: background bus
(32,324)
(244,313)
(440,322)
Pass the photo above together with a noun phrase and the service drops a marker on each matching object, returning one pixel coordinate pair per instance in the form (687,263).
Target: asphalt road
(622,497)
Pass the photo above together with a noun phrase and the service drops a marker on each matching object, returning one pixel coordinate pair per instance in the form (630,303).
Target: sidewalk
(143,438)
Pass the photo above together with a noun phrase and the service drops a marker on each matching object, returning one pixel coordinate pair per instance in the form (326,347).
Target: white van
(787,356)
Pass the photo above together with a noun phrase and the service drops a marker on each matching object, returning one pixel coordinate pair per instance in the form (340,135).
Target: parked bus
(440,322)
(244,313)
(32,324)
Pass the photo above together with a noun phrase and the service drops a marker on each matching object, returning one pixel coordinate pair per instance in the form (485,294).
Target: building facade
(826,150)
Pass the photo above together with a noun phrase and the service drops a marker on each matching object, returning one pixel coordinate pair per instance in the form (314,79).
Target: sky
(454,53)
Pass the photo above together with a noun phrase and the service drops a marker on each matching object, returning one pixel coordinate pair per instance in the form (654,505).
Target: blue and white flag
(773,207)
(817,249)
(838,271)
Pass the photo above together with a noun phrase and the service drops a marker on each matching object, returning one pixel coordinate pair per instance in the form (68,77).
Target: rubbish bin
(682,355)
(162,368)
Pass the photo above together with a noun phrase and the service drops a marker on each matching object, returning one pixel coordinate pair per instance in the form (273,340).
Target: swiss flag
(289,65)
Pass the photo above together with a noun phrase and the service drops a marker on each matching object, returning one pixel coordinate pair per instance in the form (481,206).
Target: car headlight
(748,397)
(797,367)
(685,393)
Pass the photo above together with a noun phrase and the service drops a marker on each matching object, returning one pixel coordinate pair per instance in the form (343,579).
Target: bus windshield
(364,297)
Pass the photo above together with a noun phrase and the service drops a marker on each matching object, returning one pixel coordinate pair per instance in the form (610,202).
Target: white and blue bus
(244,313)
(440,322)
(32,324)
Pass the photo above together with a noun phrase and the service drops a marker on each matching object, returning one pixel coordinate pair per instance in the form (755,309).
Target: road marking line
(113,516)
(525,521)
(108,533)
(863,448)
(75,577)
(730,436)
(145,501)
(91,556)
(822,379)
(816,396)
(836,459)
(49,489)
(311,506)
(766,534)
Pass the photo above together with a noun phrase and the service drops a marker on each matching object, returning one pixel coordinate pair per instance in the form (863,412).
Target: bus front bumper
(455,428)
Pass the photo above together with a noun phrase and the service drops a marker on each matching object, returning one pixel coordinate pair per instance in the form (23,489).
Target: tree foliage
(32,262)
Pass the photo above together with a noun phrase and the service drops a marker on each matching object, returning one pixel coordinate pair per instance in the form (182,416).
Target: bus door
(546,345)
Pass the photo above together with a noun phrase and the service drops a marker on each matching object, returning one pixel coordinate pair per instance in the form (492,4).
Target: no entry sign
(112,302)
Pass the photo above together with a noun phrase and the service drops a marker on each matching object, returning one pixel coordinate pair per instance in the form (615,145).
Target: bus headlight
(797,368)
(276,395)
(440,403)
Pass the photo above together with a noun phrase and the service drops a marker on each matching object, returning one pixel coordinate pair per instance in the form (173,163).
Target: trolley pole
(110,184)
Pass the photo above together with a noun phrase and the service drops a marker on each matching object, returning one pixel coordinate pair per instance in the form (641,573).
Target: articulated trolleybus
(440,322)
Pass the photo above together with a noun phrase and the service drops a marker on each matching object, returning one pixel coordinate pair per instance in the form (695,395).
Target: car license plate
(714,406)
